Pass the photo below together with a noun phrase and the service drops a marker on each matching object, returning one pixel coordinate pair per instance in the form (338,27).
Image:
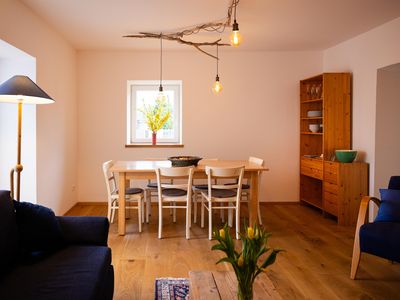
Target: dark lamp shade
(21,89)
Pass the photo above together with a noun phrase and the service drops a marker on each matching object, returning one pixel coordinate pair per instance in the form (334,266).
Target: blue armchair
(381,237)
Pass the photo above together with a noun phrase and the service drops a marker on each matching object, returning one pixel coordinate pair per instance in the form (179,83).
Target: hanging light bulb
(217,86)
(161,95)
(235,36)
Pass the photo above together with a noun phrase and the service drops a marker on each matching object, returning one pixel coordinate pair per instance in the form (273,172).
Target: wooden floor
(316,264)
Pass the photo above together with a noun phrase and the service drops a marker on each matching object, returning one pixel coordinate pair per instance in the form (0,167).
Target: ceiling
(281,25)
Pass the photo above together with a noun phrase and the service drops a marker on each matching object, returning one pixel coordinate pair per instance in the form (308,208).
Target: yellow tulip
(257,233)
(250,232)
(222,233)
(240,260)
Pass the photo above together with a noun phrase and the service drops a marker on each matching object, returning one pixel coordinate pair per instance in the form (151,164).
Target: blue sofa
(47,257)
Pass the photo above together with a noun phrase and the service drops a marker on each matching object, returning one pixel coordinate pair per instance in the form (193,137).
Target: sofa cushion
(38,229)
(381,239)
(8,233)
(75,272)
(389,210)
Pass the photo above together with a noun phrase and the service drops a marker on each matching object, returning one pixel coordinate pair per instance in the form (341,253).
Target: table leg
(253,198)
(121,203)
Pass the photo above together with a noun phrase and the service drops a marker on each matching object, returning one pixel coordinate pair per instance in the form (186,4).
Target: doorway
(16,62)
(387,141)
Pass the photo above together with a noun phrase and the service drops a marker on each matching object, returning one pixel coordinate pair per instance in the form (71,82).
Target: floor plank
(315,264)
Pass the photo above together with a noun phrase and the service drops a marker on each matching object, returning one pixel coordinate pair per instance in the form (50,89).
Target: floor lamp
(21,90)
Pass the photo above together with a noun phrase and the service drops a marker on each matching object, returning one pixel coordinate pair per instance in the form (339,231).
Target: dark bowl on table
(184,161)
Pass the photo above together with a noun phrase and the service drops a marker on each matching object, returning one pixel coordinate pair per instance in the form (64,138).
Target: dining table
(145,169)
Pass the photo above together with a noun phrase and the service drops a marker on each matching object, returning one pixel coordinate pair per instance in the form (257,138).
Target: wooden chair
(228,196)
(246,186)
(174,193)
(197,189)
(381,237)
(151,191)
(132,195)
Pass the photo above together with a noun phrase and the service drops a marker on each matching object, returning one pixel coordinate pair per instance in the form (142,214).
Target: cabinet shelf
(312,133)
(312,100)
(314,202)
(312,118)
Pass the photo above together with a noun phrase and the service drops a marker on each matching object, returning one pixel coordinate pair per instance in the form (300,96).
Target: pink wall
(256,114)
(56,123)
(363,56)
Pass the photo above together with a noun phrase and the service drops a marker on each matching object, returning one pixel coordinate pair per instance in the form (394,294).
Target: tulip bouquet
(245,263)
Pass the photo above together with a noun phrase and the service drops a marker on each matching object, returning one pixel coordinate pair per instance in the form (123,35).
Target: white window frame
(131,111)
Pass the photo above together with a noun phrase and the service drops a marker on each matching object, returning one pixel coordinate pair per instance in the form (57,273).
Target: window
(142,95)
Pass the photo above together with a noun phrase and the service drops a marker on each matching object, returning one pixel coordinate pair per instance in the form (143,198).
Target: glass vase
(245,291)
(154,138)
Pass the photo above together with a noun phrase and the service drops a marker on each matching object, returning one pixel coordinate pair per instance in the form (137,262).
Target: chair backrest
(394,183)
(109,178)
(256,160)
(214,173)
(175,173)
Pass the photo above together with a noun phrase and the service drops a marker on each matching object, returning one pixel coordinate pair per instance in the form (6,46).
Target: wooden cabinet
(336,188)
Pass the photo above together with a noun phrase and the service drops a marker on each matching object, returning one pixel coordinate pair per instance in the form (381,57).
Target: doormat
(172,289)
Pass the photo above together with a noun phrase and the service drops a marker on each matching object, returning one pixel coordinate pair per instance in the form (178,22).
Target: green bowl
(346,156)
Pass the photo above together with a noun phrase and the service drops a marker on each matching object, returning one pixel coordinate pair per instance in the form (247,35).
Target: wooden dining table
(145,169)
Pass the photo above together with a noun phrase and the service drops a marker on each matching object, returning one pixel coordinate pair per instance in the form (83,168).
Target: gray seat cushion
(244,186)
(152,185)
(201,186)
(217,193)
(133,191)
(173,192)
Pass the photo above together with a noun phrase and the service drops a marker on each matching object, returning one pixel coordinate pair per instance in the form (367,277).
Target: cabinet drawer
(330,177)
(315,173)
(331,172)
(312,163)
(331,203)
(311,167)
(331,188)
(331,167)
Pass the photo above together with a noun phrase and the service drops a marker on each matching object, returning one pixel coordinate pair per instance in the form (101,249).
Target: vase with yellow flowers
(156,116)
(245,263)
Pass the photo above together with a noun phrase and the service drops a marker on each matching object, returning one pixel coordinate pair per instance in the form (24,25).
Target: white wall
(363,56)
(56,137)
(256,114)
(387,141)
(15,62)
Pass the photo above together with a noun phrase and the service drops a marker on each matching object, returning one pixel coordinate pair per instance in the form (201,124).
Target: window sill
(154,146)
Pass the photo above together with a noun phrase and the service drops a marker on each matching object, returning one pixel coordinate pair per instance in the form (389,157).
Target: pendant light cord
(217,59)
(236,2)
(161,87)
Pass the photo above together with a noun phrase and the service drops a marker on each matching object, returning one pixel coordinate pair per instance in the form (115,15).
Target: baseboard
(280,202)
(102,203)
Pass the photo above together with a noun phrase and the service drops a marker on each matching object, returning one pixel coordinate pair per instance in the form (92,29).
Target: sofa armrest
(85,230)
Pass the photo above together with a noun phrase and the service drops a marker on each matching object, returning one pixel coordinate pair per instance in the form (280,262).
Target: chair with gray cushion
(246,186)
(134,196)
(174,195)
(227,196)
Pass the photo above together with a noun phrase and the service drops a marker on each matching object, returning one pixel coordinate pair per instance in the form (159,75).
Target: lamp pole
(18,167)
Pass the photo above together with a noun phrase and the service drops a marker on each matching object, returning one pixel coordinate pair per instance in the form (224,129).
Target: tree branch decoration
(179,36)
